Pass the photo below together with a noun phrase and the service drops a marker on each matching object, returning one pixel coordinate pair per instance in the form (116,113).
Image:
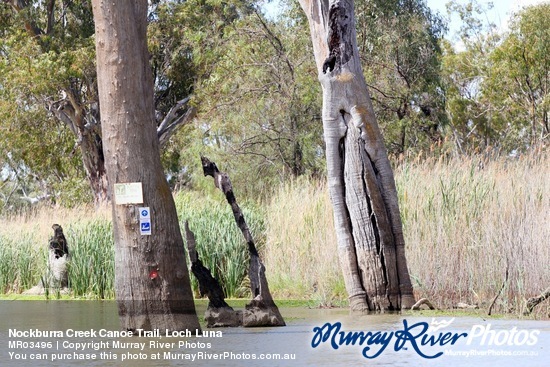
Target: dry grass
(465,221)
(37,224)
(300,250)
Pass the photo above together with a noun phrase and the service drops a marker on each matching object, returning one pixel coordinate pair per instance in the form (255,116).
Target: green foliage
(254,84)
(21,263)
(497,90)
(39,60)
(260,104)
(399,47)
(518,85)
(91,269)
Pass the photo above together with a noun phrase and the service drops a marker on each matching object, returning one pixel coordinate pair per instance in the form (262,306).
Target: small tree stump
(218,312)
(58,255)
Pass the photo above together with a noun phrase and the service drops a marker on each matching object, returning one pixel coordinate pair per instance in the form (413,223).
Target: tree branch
(50,8)
(171,122)
(534,301)
(259,287)
(167,131)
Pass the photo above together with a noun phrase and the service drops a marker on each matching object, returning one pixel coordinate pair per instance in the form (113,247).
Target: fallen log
(534,301)
(422,301)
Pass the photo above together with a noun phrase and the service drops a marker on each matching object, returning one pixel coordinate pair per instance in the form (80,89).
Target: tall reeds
(466,222)
(91,269)
(21,262)
(300,252)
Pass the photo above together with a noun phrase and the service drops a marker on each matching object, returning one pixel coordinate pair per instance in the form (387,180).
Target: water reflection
(238,346)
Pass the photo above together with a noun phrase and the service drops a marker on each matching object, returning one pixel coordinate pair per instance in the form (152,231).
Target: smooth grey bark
(371,246)
(152,283)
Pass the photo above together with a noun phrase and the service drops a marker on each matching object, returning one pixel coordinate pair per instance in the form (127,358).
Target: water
(239,346)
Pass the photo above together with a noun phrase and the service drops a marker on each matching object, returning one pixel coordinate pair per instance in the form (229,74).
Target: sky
(499,15)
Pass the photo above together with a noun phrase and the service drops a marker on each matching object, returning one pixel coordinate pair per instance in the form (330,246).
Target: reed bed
(467,222)
(220,244)
(300,252)
(91,269)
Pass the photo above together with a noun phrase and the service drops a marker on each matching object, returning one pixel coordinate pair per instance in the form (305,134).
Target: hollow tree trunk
(152,283)
(371,246)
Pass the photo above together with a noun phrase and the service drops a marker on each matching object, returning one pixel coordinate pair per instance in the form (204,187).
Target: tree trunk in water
(262,310)
(218,313)
(371,246)
(152,283)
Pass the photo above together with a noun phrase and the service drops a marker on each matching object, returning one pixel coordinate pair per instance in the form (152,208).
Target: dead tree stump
(218,312)
(56,277)
(262,310)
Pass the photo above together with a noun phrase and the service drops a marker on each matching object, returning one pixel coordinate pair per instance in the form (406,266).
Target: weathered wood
(422,301)
(208,285)
(218,312)
(262,310)
(371,244)
(534,301)
(56,277)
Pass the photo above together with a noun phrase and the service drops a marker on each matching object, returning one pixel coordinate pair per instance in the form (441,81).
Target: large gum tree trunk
(371,246)
(152,284)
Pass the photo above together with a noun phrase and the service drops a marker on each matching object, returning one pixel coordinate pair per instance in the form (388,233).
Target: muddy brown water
(83,336)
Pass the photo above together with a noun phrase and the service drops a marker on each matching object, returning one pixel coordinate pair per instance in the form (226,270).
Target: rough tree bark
(218,313)
(152,282)
(371,246)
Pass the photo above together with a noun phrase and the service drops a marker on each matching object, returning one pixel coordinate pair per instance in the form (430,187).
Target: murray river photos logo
(425,339)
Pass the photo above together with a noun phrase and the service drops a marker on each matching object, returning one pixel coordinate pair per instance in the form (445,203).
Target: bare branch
(171,115)
(165,131)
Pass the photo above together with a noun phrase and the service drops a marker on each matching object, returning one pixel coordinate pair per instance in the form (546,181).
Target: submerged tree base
(261,310)
(219,313)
